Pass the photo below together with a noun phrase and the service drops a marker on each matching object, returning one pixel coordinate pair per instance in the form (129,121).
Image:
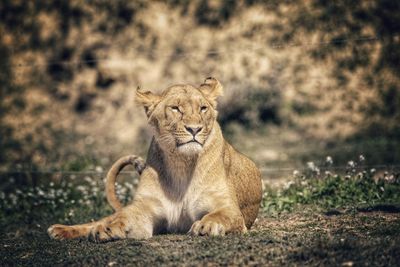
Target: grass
(331,191)
(316,219)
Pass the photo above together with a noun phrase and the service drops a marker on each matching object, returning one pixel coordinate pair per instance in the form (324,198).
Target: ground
(303,237)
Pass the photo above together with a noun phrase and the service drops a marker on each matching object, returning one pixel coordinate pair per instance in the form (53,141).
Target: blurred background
(303,80)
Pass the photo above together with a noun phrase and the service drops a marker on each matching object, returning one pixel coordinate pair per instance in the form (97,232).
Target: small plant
(69,201)
(356,187)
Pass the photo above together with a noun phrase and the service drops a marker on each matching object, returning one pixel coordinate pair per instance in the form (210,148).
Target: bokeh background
(303,79)
(311,95)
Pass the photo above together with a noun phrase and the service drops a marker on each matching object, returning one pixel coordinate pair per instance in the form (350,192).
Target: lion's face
(183,119)
(182,116)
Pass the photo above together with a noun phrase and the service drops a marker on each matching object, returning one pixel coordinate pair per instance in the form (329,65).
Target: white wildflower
(51,193)
(88,179)
(13,198)
(71,213)
(40,192)
(288,184)
(128,185)
(59,192)
(95,190)
(82,189)
(329,160)
(361,158)
(351,164)
(311,165)
(389,178)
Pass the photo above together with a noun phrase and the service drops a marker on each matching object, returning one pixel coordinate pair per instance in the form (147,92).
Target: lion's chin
(191,148)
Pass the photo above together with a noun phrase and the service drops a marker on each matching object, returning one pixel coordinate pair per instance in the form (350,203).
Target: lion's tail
(112,174)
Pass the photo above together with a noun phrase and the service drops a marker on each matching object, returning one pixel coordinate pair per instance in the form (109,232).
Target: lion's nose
(193,129)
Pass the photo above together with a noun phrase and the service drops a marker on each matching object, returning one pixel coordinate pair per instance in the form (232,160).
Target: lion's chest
(180,215)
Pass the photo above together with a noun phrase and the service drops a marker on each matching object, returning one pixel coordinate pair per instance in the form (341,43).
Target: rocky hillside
(69,69)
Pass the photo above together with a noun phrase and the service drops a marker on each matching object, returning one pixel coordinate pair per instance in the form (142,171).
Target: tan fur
(194,181)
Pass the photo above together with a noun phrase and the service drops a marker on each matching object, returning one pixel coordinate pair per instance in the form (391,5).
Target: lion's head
(182,116)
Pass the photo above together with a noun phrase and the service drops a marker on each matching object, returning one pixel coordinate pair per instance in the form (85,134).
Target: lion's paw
(108,231)
(62,232)
(207,227)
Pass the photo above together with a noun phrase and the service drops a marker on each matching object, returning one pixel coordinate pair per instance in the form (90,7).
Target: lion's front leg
(134,221)
(109,228)
(113,227)
(62,232)
(219,223)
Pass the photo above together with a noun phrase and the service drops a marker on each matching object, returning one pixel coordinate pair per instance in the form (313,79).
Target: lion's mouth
(190,142)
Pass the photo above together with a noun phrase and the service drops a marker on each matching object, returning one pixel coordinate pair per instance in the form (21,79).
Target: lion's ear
(212,89)
(147,99)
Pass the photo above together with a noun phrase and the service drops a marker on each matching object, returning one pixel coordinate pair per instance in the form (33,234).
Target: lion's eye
(203,109)
(175,108)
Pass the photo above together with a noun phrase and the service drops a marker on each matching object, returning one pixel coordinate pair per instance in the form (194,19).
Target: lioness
(193,181)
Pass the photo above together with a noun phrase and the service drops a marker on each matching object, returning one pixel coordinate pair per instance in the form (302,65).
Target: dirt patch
(304,238)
